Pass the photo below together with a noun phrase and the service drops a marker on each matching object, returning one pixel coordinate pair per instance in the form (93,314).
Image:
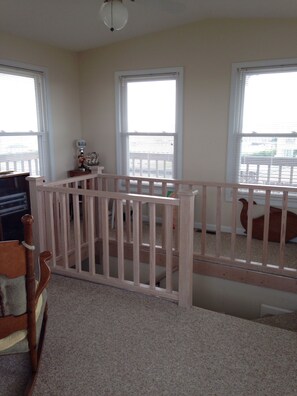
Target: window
(263,124)
(149,123)
(23,125)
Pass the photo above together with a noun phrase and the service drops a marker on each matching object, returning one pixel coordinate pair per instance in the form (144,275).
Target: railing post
(38,215)
(97,170)
(186,231)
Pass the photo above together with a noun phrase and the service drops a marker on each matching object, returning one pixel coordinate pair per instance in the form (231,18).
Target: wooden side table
(77,172)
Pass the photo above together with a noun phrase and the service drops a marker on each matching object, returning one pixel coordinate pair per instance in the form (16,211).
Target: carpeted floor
(290,251)
(105,341)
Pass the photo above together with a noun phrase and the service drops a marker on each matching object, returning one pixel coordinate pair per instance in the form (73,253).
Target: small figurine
(82,161)
(82,165)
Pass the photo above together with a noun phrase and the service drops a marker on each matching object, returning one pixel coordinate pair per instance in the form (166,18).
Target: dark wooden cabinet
(77,172)
(14,203)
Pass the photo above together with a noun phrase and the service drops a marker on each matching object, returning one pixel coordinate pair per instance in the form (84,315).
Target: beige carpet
(104,341)
(290,253)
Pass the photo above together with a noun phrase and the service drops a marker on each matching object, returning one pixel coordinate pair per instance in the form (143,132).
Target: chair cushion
(13,295)
(17,342)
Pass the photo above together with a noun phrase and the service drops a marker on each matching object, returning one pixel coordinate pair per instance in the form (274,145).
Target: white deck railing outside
(20,162)
(267,170)
(151,165)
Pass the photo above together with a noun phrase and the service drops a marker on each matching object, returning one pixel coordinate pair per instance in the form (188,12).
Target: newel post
(186,235)
(97,170)
(38,213)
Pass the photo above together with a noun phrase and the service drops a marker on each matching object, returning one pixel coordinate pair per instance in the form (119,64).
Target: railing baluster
(58,222)
(168,246)
(52,242)
(203,220)
(283,229)
(136,257)
(176,219)
(268,173)
(291,174)
(152,244)
(280,173)
(233,222)
(120,239)
(91,234)
(249,226)
(164,194)
(64,238)
(139,191)
(128,214)
(218,221)
(105,237)
(77,232)
(266,228)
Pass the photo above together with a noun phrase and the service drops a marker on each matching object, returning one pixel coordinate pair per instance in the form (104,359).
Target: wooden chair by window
(23,302)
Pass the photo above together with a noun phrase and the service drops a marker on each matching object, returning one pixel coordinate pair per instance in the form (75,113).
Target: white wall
(63,89)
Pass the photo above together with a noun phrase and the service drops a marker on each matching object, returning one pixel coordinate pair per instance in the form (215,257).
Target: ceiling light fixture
(114,14)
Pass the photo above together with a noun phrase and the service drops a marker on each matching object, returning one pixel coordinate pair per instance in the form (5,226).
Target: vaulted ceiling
(75,25)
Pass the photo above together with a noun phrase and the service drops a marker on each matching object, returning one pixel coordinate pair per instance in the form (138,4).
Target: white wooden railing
(20,162)
(219,247)
(267,170)
(73,223)
(214,214)
(151,165)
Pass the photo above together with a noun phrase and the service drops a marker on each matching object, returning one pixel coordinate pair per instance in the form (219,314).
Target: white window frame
(121,134)
(43,136)
(236,112)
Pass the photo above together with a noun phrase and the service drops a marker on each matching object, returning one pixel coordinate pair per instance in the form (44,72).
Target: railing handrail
(110,194)
(19,156)
(151,156)
(179,182)
(266,160)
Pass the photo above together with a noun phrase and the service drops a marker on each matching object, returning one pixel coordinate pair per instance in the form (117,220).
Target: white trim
(178,135)
(46,165)
(236,107)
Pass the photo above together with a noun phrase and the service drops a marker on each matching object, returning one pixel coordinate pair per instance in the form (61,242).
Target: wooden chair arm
(45,273)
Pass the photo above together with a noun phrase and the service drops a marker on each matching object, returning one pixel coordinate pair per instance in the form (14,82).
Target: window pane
(17,104)
(151,156)
(270,103)
(271,160)
(151,106)
(20,155)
